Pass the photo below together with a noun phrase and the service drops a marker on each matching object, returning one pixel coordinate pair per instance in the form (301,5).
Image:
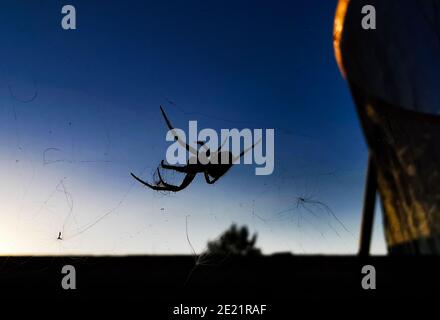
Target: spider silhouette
(211,163)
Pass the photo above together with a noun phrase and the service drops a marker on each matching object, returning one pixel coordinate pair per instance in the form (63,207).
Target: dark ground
(282,282)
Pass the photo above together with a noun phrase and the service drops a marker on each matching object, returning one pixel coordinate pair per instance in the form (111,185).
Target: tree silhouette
(234,241)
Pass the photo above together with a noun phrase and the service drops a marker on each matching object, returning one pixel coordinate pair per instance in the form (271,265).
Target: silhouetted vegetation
(234,241)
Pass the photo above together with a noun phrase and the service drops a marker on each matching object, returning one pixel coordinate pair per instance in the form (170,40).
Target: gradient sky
(79,110)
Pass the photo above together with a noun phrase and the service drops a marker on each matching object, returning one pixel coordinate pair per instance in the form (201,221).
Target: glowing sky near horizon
(79,111)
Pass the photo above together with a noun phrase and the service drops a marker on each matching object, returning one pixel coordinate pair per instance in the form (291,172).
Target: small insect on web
(306,203)
(315,209)
(296,212)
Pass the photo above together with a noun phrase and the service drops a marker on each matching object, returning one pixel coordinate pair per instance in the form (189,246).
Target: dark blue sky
(227,64)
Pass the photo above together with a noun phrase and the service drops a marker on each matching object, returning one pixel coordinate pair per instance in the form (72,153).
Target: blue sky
(94,115)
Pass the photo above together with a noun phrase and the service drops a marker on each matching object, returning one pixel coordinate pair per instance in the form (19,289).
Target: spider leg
(183,169)
(185,183)
(285,211)
(157,188)
(178,138)
(330,213)
(168,187)
(162,181)
(310,211)
(234,159)
(310,223)
(220,148)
